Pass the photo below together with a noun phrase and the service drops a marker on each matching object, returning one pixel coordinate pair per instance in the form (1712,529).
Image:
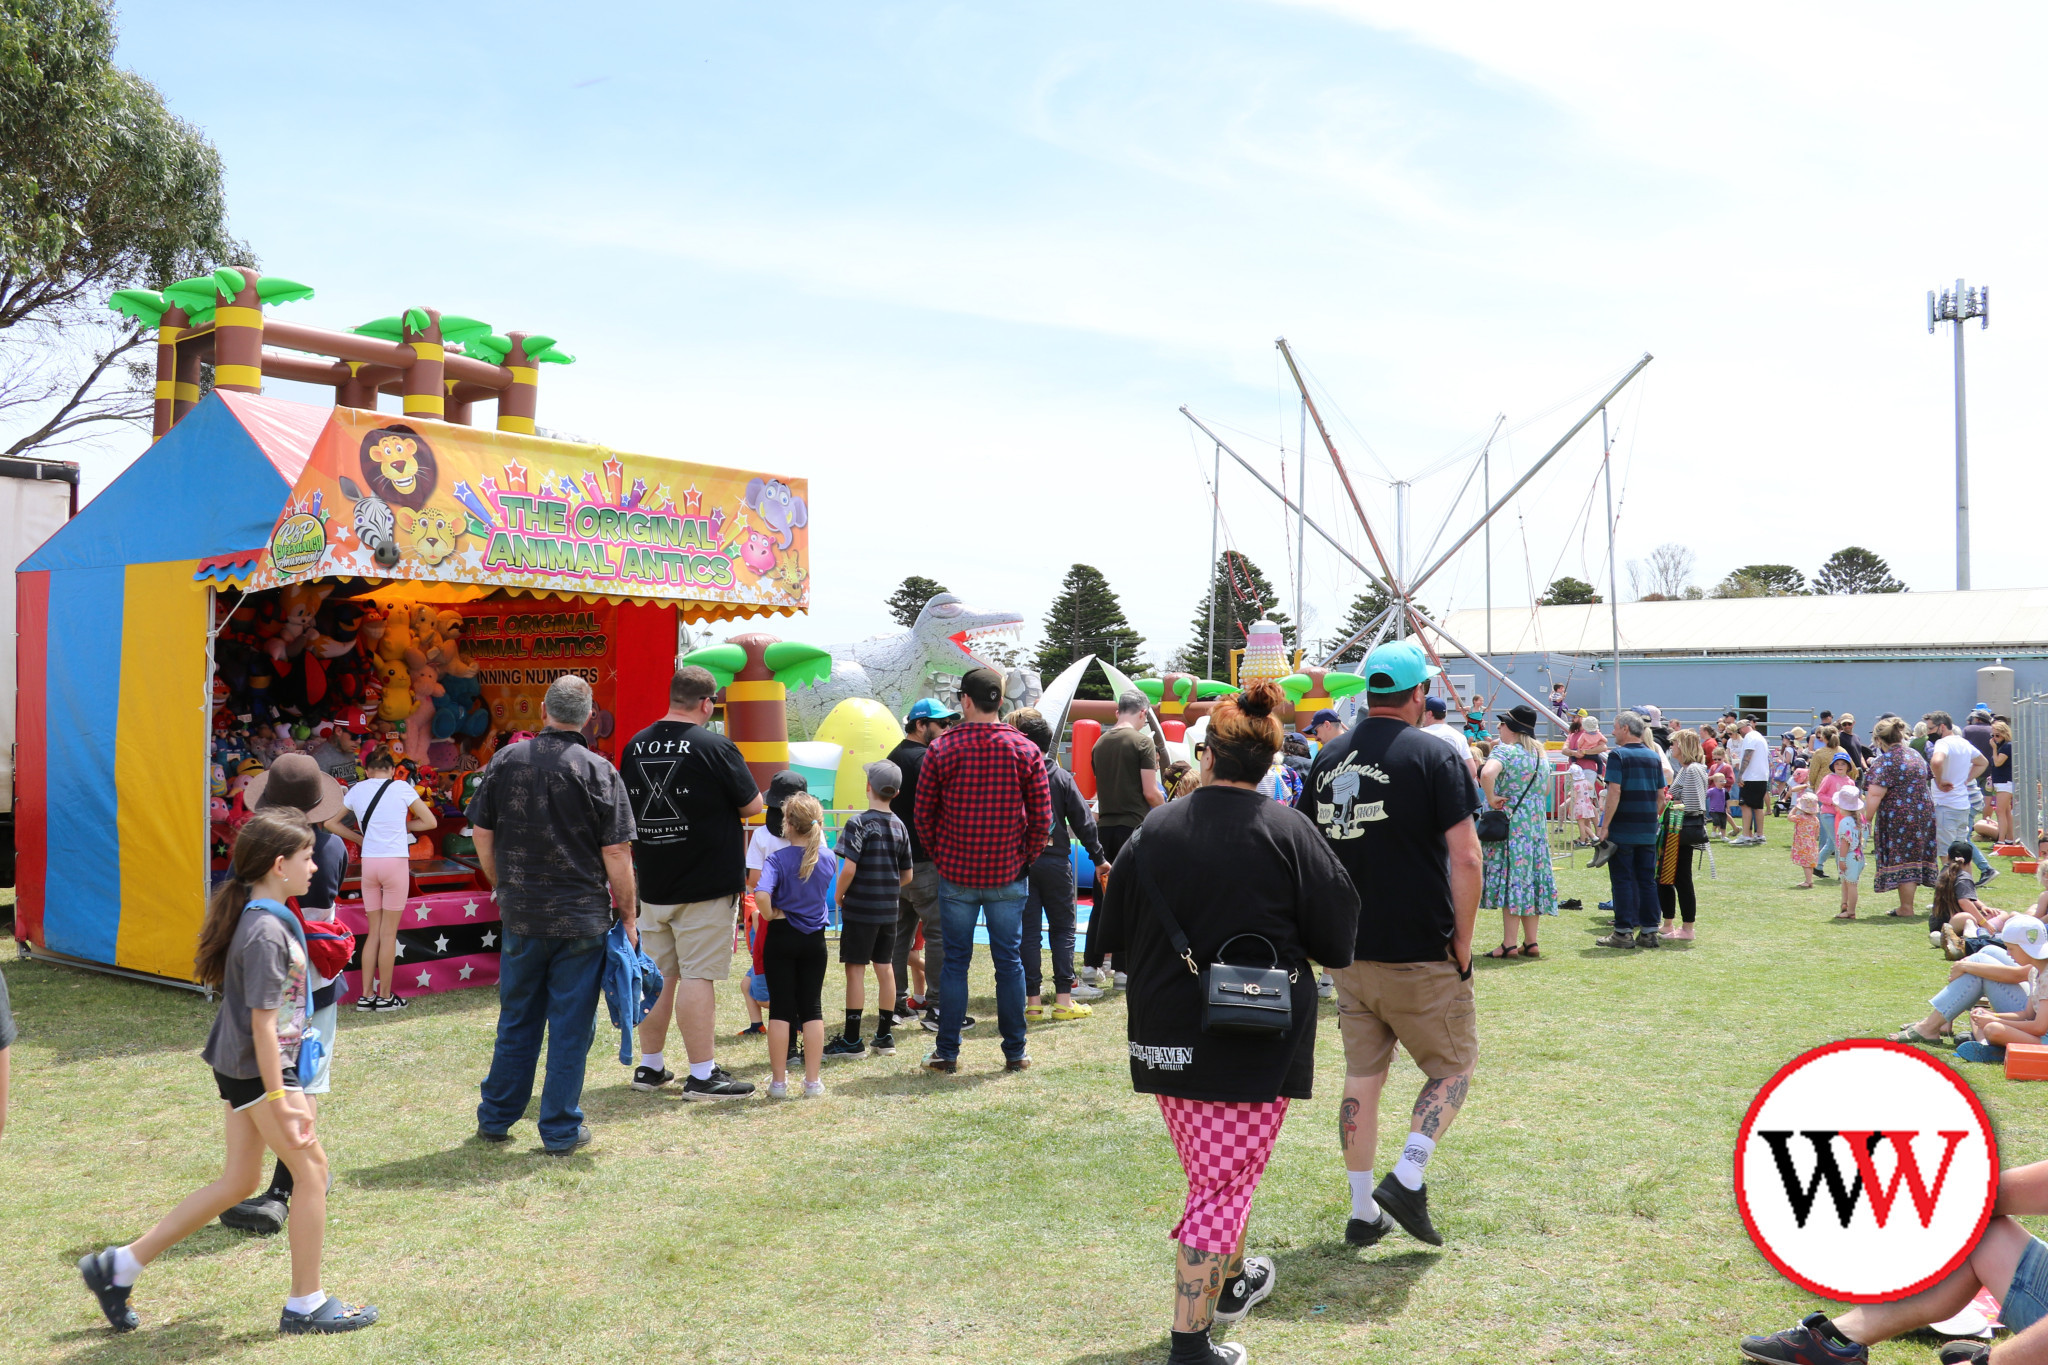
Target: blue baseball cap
(925,708)
(1397,666)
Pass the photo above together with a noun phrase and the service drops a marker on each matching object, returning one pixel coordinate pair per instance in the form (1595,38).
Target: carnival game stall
(271,577)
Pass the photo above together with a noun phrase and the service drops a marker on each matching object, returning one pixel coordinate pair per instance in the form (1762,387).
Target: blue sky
(959,265)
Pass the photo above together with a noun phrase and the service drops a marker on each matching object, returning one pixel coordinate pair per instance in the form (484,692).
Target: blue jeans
(1827,841)
(549,984)
(1632,873)
(959,908)
(1954,999)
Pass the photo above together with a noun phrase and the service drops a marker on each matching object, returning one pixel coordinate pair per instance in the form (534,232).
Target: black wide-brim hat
(1521,719)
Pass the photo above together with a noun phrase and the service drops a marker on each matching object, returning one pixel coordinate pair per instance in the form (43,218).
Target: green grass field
(1585,1193)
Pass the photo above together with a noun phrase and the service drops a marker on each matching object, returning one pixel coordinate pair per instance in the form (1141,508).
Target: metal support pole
(1486,496)
(1613,595)
(1301,540)
(1369,629)
(1542,708)
(1215,516)
(1400,557)
(1962,467)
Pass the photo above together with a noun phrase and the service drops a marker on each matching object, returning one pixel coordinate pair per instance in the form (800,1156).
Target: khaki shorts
(1423,1004)
(691,941)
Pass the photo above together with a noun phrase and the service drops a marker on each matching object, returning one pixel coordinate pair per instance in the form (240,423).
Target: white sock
(651,1059)
(1414,1157)
(305,1303)
(126,1268)
(701,1071)
(1362,1205)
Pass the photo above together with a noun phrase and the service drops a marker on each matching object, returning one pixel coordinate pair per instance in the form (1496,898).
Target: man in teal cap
(926,720)
(1397,804)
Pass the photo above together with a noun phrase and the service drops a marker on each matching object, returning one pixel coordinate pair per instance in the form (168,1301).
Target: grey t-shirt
(266,970)
(7,1029)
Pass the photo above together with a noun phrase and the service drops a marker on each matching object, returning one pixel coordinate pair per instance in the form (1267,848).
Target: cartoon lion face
(398,464)
(433,533)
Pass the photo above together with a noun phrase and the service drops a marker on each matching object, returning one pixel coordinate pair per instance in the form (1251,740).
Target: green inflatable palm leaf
(201,317)
(1296,685)
(1153,688)
(464,330)
(722,660)
(537,343)
(417,321)
(798,665)
(1208,689)
(551,356)
(191,295)
(277,289)
(1343,684)
(389,329)
(229,281)
(146,306)
(493,349)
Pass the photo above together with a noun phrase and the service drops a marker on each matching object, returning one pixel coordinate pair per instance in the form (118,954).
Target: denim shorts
(2026,1301)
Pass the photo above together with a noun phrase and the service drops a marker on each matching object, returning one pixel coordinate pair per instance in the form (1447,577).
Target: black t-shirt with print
(1384,794)
(909,759)
(687,785)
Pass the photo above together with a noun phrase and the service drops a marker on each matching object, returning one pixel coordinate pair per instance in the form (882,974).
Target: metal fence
(2029,764)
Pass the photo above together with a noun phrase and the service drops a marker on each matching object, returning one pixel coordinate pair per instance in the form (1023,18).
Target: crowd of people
(1363,852)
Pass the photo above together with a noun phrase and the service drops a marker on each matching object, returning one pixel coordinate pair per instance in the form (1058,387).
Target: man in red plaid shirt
(983,813)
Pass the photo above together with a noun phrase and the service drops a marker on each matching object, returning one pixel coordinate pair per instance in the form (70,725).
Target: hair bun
(1261,699)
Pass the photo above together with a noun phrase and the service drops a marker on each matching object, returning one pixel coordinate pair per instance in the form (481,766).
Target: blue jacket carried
(632,983)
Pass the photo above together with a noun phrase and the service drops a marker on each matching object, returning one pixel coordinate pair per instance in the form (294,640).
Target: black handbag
(1237,1001)
(1692,830)
(1496,825)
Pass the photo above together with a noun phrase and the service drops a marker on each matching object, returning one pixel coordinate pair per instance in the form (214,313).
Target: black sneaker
(1359,1233)
(719,1085)
(98,1272)
(581,1140)
(843,1046)
(264,1215)
(366,1003)
(1989,873)
(884,1045)
(1812,1342)
(486,1135)
(754,1031)
(1965,1353)
(1648,938)
(648,1078)
(1410,1208)
(396,1002)
(1620,938)
(1247,1290)
(931,1022)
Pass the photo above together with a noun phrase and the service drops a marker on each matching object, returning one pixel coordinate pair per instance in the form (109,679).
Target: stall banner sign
(434,502)
(521,646)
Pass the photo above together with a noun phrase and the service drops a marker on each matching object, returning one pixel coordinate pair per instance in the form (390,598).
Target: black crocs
(98,1271)
(331,1316)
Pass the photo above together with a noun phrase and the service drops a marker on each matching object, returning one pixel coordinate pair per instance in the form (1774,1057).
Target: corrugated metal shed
(1993,619)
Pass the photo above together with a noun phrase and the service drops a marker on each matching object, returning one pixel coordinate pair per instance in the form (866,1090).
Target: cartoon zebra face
(376,528)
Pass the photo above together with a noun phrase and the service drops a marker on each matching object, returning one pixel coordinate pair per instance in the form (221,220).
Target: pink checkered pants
(1224,1148)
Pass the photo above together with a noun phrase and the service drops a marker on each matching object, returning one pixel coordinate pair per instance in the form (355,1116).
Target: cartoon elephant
(782,509)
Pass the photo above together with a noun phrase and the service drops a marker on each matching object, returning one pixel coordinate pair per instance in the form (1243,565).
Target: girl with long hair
(1675,894)
(251,949)
(793,900)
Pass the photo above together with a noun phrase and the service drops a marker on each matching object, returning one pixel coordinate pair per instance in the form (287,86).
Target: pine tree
(1087,618)
(1243,595)
(909,598)
(1854,570)
(1570,592)
(1762,580)
(1365,609)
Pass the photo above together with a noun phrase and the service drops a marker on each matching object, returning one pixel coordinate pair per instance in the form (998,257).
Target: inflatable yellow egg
(865,731)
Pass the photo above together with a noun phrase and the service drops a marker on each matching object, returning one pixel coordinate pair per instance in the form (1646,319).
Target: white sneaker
(1122,980)
(1086,993)
(778,1090)
(1934,937)
(1088,975)
(813,1089)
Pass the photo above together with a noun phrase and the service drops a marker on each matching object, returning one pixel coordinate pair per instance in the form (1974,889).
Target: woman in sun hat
(1519,882)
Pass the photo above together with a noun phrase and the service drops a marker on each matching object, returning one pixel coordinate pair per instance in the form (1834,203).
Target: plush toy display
(419,726)
(398,701)
(459,708)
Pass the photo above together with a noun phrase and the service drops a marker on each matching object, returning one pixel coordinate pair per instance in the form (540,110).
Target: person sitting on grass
(1991,1032)
(252,950)
(874,867)
(792,898)
(2007,1260)
(1997,974)
(1962,923)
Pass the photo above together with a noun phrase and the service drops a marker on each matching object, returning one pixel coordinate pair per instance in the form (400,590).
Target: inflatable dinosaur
(896,669)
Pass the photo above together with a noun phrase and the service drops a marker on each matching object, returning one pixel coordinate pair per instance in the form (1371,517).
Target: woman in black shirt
(1226,861)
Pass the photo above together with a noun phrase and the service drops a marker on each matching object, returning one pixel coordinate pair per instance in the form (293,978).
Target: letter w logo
(1863,1148)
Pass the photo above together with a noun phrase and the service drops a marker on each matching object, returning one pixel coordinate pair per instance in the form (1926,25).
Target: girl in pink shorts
(388,812)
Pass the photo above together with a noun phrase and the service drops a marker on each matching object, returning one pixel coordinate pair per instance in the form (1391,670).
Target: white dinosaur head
(946,631)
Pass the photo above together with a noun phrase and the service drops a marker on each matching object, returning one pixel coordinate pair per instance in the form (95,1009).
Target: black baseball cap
(984,687)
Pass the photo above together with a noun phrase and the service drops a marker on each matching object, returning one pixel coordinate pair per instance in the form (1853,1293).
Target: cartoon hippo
(782,509)
(757,552)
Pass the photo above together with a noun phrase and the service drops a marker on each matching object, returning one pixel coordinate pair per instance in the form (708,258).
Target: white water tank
(1994,689)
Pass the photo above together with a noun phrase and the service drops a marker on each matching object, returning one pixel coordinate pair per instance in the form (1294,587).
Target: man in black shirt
(691,791)
(926,721)
(1397,806)
(554,837)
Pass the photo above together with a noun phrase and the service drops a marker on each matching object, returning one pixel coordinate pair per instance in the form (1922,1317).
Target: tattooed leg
(1198,1276)
(1438,1105)
(1358,1120)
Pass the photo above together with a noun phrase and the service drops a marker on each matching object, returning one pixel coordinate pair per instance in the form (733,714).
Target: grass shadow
(473,1163)
(186,1339)
(1332,1281)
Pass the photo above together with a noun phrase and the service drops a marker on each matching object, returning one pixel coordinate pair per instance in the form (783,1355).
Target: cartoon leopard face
(433,533)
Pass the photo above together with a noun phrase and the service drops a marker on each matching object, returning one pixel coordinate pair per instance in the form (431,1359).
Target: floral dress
(1905,821)
(1518,873)
(1806,838)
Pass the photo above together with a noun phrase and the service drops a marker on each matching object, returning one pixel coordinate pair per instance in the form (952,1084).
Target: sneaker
(778,1090)
(1410,1208)
(1247,1290)
(651,1078)
(1965,1353)
(935,1062)
(1063,1013)
(1985,880)
(1326,990)
(719,1085)
(486,1135)
(576,1144)
(813,1089)
(905,1016)
(366,1003)
(754,1031)
(843,1046)
(1648,938)
(1620,938)
(1122,980)
(1088,974)
(330,1317)
(1085,992)
(1605,905)
(97,1270)
(264,1215)
(1812,1342)
(394,1002)
(931,1022)
(1017,1063)
(1360,1233)
(884,1045)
